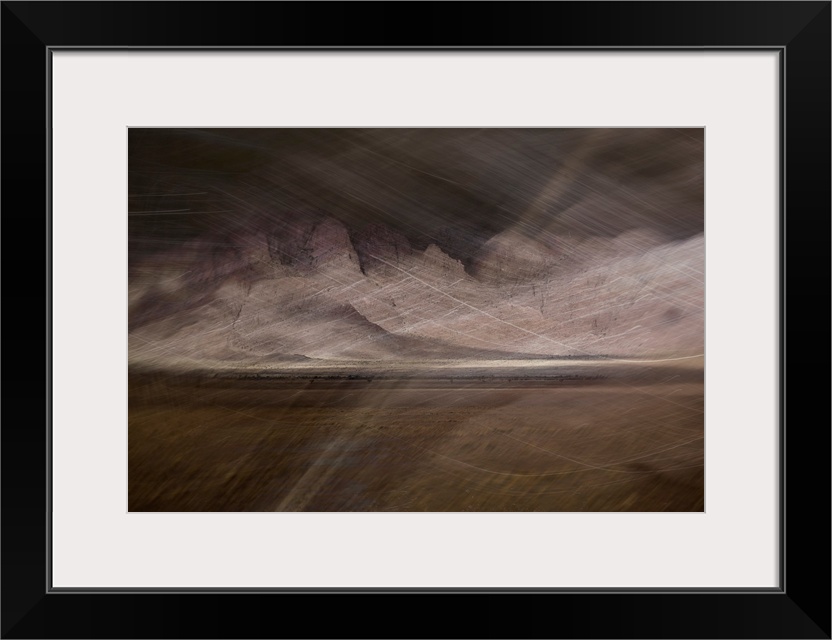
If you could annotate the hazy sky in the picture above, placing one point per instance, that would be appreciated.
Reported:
(454, 187)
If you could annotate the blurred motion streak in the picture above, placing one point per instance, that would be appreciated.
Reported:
(416, 319)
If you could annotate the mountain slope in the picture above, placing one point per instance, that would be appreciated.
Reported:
(303, 289)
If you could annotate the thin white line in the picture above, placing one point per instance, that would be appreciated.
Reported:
(532, 333)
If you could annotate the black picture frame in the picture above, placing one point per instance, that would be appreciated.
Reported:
(799, 31)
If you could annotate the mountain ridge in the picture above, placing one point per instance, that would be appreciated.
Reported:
(321, 290)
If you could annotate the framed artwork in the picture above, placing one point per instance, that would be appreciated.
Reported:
(494, 305)
(400, 312)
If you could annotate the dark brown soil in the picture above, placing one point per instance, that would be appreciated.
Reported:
(624, 443)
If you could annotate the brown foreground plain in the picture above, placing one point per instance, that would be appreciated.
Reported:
(622, 438)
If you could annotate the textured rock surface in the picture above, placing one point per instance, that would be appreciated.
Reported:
(320, 297)
(286, 246)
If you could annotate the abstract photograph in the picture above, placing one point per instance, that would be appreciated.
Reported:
(416, 320)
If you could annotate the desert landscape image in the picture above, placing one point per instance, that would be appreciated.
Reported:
(416, 319)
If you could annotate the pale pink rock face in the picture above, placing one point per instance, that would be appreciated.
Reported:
(271, 282)
(634, 297)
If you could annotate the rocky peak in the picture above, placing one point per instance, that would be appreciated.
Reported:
(511, 256)
(378, 247)
(330, 243)
(440, 263)
(307, 246)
